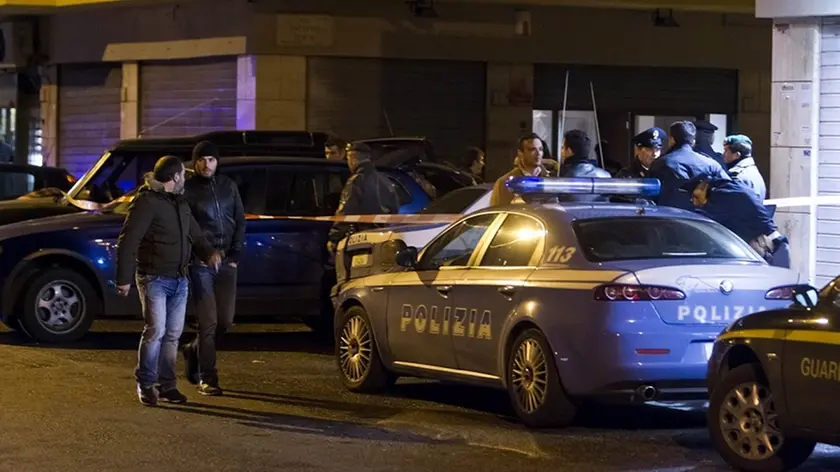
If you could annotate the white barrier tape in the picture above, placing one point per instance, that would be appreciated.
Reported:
(804, 201)
(380, 219)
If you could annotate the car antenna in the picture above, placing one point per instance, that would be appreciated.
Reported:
(388, 121)
(597, 127)
(177, 115)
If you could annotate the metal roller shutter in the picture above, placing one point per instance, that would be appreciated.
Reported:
(642, 90)
(183, 98)
(365, 98)
(828, 216)
(89, 115)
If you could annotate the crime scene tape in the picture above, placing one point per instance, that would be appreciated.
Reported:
(418, 219)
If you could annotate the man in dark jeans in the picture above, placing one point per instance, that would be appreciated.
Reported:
(217, 206)
(157, 241)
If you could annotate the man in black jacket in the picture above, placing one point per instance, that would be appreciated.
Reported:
(157, 240)
(217, 206)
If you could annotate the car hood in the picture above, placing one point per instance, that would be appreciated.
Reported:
(75, 221)
(13, 211)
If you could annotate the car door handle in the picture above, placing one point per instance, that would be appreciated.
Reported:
(444, 289)
(507, 290)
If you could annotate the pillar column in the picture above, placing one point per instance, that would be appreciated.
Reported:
(49, 115)
(794, 136)
(271, 92)
(510, 92)
(129, 109)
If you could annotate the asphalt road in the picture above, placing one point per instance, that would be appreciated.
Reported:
(74, 409)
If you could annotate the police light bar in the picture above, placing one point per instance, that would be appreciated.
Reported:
(579, 185)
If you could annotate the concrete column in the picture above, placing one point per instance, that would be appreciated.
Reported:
(271, 92)
(510, 91)
(794, 147)
(49, 115)
(129, 109)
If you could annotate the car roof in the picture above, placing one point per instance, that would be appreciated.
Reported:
(238, 138)
(9, 167)
(574, 211)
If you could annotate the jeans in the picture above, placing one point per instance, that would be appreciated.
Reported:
(214, 297)
(164, 301)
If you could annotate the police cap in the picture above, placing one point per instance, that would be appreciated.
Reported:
(650, 138)
(703, 125)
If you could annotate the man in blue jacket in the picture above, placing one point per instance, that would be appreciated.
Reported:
(682, 164)
(737, 208)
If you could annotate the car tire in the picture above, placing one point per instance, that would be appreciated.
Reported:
(356, 338)
(68, 296)
(548, 407)
(792, 452)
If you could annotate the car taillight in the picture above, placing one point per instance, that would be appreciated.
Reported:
(780, 293)
(635, 293)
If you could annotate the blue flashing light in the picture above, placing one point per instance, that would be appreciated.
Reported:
(586, 186)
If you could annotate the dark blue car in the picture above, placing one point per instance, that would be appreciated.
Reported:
(57, 273)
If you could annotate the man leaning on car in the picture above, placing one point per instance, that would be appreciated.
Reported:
(157, 241)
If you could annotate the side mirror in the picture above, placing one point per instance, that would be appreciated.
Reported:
(407, 257)
(806, 296)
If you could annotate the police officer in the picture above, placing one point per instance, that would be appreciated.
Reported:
(705, 139)
(682, 164)
(737, 208)
(367, 192)
(737, 153)
(647, 147)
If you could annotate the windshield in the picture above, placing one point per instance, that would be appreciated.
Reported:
(615, 239)
(116, 174)
(123, 203)
(455, 202)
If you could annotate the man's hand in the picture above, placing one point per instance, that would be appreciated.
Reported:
(122, 290)
(215, 260)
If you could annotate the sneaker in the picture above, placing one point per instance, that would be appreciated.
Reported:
(190, 363)
(173, 396)
(147, 395)
(209, 389)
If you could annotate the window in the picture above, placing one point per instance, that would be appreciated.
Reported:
(514, 243)
(403, 197)
(15, 184)
(455, 246)
(303, 192)
(250, 181)
(455, 202)
(122, 172)
(612, 239)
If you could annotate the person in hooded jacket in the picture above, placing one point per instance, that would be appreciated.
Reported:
(704, 140)
(738, 208)
(680, 165)
(217, 206)
(366, 192)
(155, 248)
(647, 147)
(737, 153)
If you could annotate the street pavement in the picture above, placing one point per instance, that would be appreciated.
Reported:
(74, 408)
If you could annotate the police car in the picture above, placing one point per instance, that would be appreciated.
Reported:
(774, 381)
(555, 302)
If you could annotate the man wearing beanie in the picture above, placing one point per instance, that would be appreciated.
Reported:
(682, 164)
(215, 202)
(158, 243)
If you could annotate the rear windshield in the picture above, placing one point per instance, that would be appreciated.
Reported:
(615, 239)
(455, 202)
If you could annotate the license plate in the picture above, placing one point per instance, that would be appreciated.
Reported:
(708, 347)
(360, 260)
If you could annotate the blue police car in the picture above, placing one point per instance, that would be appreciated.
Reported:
(555, 302)
(57, 273)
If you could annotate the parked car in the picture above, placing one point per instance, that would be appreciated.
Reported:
(57, 273)
(121, 168)
(774, 383)
(30, 181)
(417, 156)
(556, 303)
